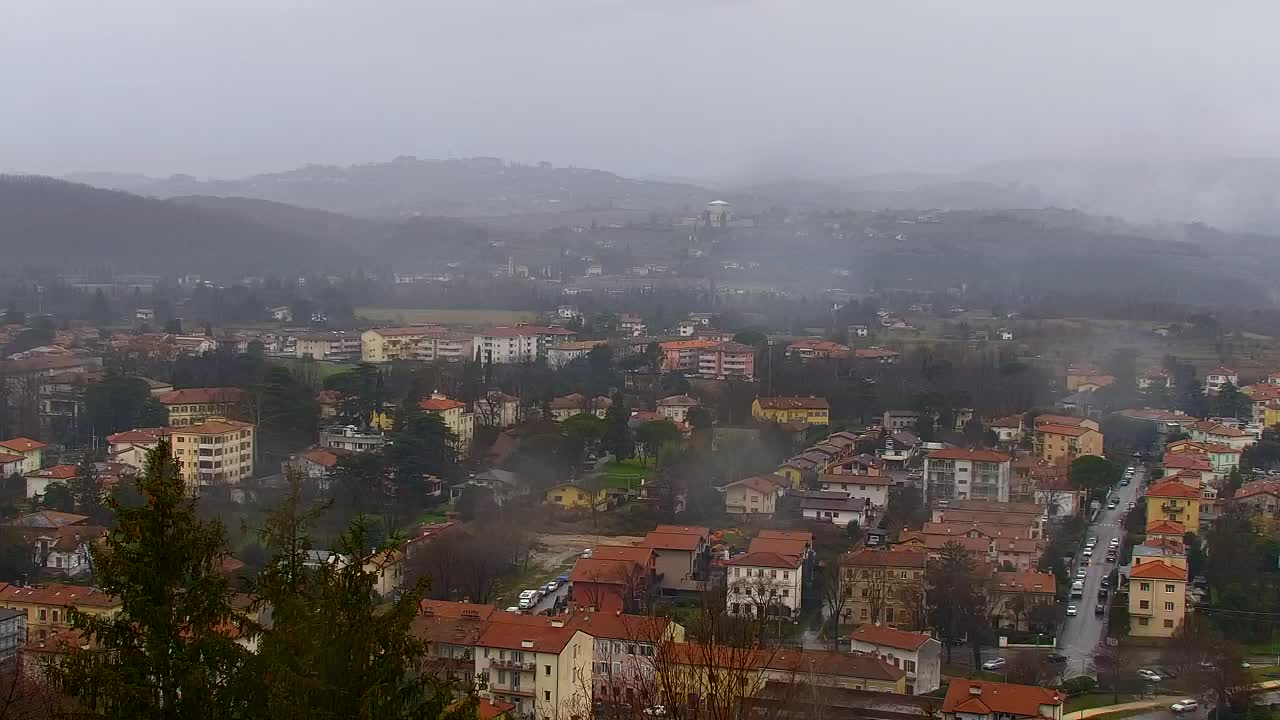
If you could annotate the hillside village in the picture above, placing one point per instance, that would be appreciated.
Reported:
(878, 554)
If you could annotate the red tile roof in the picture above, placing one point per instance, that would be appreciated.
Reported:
(1212, 428)
(325, 457)
(201, 396)
(889, 637)
(781, 546)
(634, 553)
(686, 401)
(1186, 461)
(1258, 487)
(56, 594)
(606, 571)
(669, 541)
(762, 484)
(1025, 582)
(980, 697)
(1050, 419)
(1166, 527)
(1157, 570)
(434, 404)
(785, 402)
(138, 436)
(971, 455)
(1070, 430)
(411, 331)
(621, 626)
(531, 633)
(490, 709)
(6, 458)
(765, 559)
(56, 472)
(22, 445)
(1172, 489)
(885, 558)
(696, 530)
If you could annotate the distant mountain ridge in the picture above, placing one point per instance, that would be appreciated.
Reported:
(407, 186)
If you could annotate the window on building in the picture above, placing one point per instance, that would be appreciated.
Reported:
(1169, 589)
(1144, 587)
(1168, 606)
(546, 695)
(909, 665)
(1168, 623)
(1144, 604)
(1144, 621)
(863, 613)
(548, 667)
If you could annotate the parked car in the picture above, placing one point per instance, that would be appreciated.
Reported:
(1056, 658)
(1148, 675)
(1099, 609)
(994, 663)
(1071, 611)
(1088, 552)
(564, 578)
(528, 599)
(1185, 705)
(586, 553)
(551, 586)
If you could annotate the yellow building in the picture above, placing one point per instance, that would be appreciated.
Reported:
(425, 343)
(1157, 597)
(885, 587)
(46, 605)
(191, 405)
(573, 497)
(1172, 500)
(455, 417)
(812, 410)
(1061, 439)
(216, 451)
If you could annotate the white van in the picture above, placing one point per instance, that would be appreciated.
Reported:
(1077, 589)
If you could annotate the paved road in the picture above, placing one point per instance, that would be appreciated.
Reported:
(1167, 714)
(1080, 635)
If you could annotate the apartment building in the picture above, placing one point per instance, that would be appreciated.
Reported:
(1157, 597)
(426, 343)
(540, 664)
(676, 408)
(348, 437)
(455, 417)
(566, 352)
(809, 349)
(1219, 434)
(1173, 500)
(764, 584)
(30, 450)
(46, 605)
(622, 665)
(757, 494)
(1260, 496)
(334, 345)
(192, 405)
(786, 409)
(215, 451)
(1062, 438)
(883, 586)
(521, 343)
(684, 355)
(961, 474)
(727, 359)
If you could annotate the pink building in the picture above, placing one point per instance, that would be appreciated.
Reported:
(728, 359)
(684, 355)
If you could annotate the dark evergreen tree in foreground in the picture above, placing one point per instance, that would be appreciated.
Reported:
(168, 653)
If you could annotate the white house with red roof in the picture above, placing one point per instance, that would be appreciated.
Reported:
(455, 417)
(1213, 432)
(755, 495)
(38, 481)
(919, 655)
(764, 584)
(983, 700)
(29, 449)
(1217, 378)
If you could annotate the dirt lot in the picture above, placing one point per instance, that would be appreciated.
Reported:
(557, 550)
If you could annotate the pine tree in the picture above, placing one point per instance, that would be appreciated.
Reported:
(617, 432)
(168, 653)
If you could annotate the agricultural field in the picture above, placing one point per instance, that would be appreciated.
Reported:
(418, 316)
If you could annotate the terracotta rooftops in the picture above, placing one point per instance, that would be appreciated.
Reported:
(1050, 419)
(56, 594)
(1026, 582)
(762, 483)
(783, 402)
(1157, 570)
(531, 633)
(1172, 489)
(410, 331)
(438, 404)
(980, 697)
(765, 559)
(211, 426)
(201, 396)
(885, 558)
(55, 472)
(22, 445)
(1071, 430)
(889, 637)
(1166, 527)
(971, 455)
(1267, 486)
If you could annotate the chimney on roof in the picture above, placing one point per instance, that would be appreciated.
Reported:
(526, 643)
(557, 623)
(975, 689)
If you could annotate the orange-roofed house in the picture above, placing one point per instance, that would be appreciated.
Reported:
(318, 463)
(38, 481)
(1024, 599)
(1261, 396)
(1219, 434)
(808, 349)
(30, 450)
(616, 578)
(191, 405)
(1261, 496)
(1157, 597)
(755, 495)
(623, 665)
(540, 664)
(214, 452)
(455, 417)
(961, 474)
(1166, 528)
(1062, 439)
(983, 700)
(1172, 500)
(916, 653)
(883, 586)
(764, 584)
(1222, 458)
(682, 556)
(11, 464)
(1219, 377)
(785, 409)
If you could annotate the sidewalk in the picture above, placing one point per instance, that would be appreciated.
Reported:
(1155, 703)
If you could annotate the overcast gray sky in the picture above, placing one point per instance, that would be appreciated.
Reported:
(709, 89)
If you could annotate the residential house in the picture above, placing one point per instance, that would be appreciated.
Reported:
(1007, 429)
(317, 464)
(574, 497)
(727, 359)
(919, 655)
(809, 349)
(65, 550)
(563, 408)
(1222, 458)
(1062, 439)
(1172, 500)
(755, 495)
(837, 508)
(895, 420)
(131, 446)
(568, 351)
(30, 450)
(984, 700)
(348, 437)
(676, 408)
(521, 343)
(1157, 598)
(46, 605)
(1217, 378)
(1260, 496)
(877, 355)
(623, 664)
(1023, 600)
(454, 415)
(883, 586)
(764, 584)
(540, 664)
(695, 671)
(11, 464)
(1261, 396)
(214, 451)
(616, 578)
(192, 405)
(497, 409)
(38, 481)
(1219, 434)
(1079, 376)
(962, 474)
(332, 345)
(682, 556)
(1166, 528)
(872, 488)
(810, 410)
(450, 632)
(784, 542)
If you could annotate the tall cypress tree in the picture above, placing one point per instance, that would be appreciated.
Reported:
(617, 432)
(168, 653)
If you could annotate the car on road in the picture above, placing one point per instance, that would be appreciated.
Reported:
(1071, 611)
(1185, 705)
(1106, 583)
(1088, 553)
(1149, 675)
(994, 663)
(1132, 506)
(1082, 573)
(1102, 593)
(564, 578)
(1057, 658)
(1099, 609)
(528, 599)
(1124, 482)
(1091, 541)
(551, 587)
(1115, 542)
(1111, 505)
(1111, 557)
